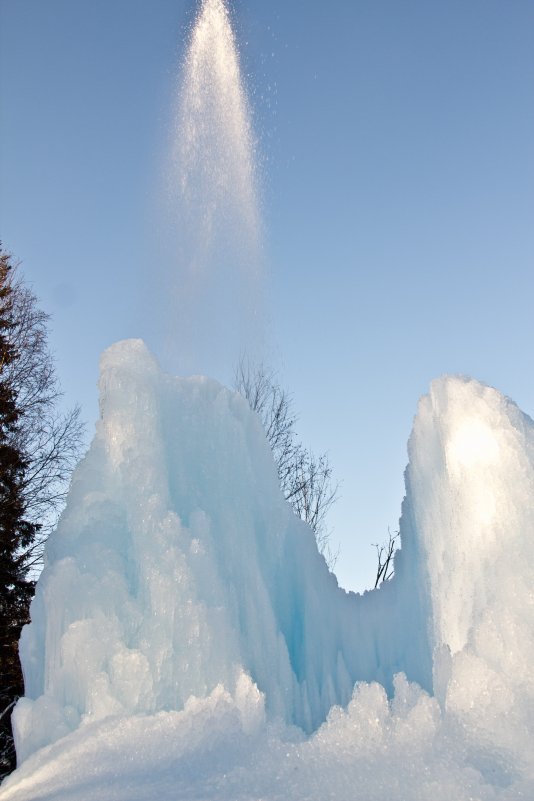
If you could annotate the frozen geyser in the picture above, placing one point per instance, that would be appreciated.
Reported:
(187, 639)
(181, 596)
(178, 566)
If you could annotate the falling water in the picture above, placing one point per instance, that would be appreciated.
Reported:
(215, 273)
(214, 146)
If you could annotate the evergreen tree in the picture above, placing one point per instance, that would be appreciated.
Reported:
(16, 532)
(39, 446)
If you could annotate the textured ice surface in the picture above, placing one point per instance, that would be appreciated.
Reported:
(185, 624)
(178, 564)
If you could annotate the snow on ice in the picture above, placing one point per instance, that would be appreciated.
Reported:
(188, 641)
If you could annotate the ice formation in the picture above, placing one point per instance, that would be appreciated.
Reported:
(178, 565)
(186, 625)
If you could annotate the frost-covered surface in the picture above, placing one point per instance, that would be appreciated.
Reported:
(406, 751)
(185, 621)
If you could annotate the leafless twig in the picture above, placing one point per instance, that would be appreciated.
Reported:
(305, 479)
(385, 554)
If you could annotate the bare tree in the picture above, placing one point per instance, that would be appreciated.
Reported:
(385, 555)
(305, 479)
(50, 440)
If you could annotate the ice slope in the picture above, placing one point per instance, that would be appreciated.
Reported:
(185, 621)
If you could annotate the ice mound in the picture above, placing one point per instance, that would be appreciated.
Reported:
(177, 565)
(468, 520)
(187, 639)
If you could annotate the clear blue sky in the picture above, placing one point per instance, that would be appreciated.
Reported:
(397, 145)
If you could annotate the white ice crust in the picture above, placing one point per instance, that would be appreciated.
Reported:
(185, 616)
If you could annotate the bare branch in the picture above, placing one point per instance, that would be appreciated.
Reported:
(305, 479)
(385, 555)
